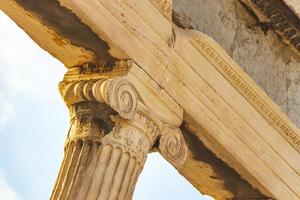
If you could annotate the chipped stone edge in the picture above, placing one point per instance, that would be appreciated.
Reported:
(285, 22)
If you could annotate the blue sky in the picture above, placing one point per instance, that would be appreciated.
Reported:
(34, 123)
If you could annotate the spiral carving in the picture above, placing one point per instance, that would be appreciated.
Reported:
(172, 146)
(123, 97)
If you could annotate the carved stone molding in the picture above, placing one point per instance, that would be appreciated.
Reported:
(165, 7)
(263, 106)
(90, 71)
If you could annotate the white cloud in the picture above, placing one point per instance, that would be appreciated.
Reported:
(6, 192)
(6, 111)
(24, 67)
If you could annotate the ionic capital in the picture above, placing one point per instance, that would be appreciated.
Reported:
(137, 99)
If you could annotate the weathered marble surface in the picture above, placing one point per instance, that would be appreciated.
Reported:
(255, 47)
(220, 105)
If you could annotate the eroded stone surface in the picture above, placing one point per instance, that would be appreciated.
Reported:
(254, 46)
(222, 107)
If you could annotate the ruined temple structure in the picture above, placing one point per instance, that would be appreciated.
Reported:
(212, 85)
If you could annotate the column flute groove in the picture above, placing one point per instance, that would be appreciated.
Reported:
(86, 183)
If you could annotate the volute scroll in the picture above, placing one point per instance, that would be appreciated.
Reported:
(142, 103)
(172, 146)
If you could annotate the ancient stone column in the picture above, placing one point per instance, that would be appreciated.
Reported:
(103, 156)
(112, 131)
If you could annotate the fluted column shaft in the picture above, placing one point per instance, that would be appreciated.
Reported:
(104, 155)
